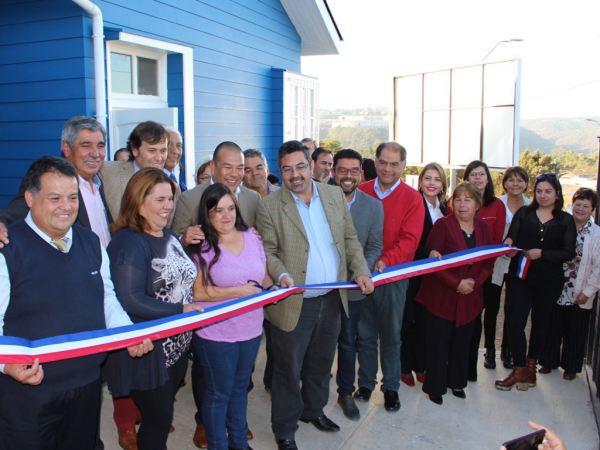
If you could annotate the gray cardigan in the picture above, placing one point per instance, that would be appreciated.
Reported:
(367, 215)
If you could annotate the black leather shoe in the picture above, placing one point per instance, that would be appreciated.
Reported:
(460, 393)
(490, 359)
(437, 399)
(323, 423)
(363, 394)
(506, 357)
(286, 444)
(246, 448)
(349, 407)
(391, 401)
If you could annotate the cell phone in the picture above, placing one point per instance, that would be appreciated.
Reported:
(527, 442)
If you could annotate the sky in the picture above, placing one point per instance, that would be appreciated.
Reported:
(386, 38)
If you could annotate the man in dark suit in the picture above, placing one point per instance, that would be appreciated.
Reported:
(367, 215)
(309, 238)
(83, 144)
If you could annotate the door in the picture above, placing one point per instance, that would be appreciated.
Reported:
(125, 120)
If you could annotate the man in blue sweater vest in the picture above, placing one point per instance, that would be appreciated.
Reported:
(54, 280)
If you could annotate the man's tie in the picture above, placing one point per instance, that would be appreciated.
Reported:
(61, 244)
(172, 177)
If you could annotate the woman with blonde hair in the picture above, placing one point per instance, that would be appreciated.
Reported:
(433, 186)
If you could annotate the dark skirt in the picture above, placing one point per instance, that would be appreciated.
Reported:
(124, 373)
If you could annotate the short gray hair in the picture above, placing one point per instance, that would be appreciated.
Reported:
(253, 153)
(174, 130)
(74, 125)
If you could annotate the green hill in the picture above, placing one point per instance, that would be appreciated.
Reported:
(576, 134)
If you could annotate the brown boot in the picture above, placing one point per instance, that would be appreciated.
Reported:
(531, 371)
(128, 440)
(200, 437)
(517, 377)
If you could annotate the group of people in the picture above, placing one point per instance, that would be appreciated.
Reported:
(137, 245)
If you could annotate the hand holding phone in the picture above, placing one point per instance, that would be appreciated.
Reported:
(528, 442)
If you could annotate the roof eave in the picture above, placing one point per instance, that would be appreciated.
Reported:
(316, 26)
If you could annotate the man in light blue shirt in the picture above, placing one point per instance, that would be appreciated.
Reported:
(309, 238)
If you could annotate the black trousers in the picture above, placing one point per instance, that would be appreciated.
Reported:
(412, 352)
(156, 407)
(569, 327)
(447, 355)
(491, 302)
(535, 294)
(492, 295)
(302, 364)
(33, 419)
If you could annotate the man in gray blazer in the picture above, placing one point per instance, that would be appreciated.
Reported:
(228, 168)
(367, 215)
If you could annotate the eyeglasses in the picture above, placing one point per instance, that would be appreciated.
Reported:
(355, 171)
(477, 174)
(548, 176)
(204, 178)
(300, 168)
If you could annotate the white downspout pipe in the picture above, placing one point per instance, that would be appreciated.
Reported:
(98, 40)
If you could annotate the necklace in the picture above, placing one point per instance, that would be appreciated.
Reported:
(466, 232)
(543, 226)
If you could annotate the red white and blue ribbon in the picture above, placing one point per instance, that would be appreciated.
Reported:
(23, 351)
(523, 266)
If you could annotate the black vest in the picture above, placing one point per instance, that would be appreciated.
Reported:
(54, 293)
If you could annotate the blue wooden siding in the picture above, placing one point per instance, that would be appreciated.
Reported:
(236, 46)
(45, 67)
(46, 70)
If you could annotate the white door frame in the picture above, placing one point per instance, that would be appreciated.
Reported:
(188, 92)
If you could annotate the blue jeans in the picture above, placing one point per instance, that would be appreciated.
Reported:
(381, 323)
(227, 367)
(347, 349)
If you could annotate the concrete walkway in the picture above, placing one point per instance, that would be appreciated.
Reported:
(484, 420)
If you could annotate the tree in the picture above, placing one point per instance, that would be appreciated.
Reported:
(536, 163)
(332, 144)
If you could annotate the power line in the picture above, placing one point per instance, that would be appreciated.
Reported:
(562, 90)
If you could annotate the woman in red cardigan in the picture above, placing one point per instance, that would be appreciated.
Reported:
(454, 297)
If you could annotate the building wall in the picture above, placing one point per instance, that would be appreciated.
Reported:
(46, 70)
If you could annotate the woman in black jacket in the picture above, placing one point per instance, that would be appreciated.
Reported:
(535, 279)
(433, 187)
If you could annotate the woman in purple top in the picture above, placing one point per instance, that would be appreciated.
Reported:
(229, 257)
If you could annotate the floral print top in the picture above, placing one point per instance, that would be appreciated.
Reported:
(571, 268)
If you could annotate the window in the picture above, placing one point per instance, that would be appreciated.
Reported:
(300, 106)
(137, 76)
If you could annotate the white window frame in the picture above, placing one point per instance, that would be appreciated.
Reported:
(135, 101)
(155, 46)
(298, 126)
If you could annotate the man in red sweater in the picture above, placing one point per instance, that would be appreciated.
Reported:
(381, 317)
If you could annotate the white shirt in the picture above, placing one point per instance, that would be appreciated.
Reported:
(434, 211)
(383, 195)
(94, 207)
(114, 314)
(237, 189)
